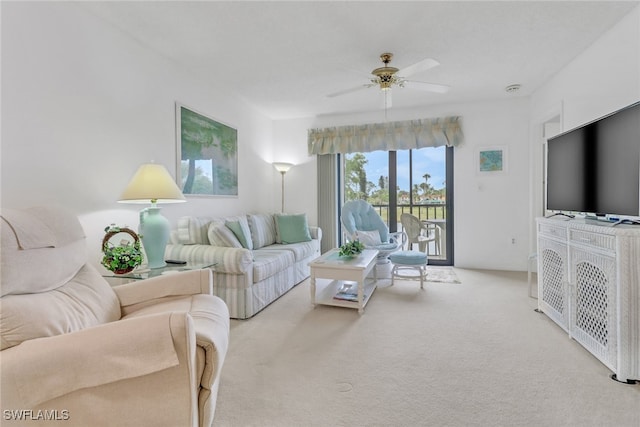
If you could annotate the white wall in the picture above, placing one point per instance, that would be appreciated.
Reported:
(490, 210)
(83, 105)
(290, 145)
(601, 80)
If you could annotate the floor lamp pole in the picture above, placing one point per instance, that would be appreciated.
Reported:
(282, 173)
(282, 168)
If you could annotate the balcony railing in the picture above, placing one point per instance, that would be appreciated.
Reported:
(423, 212)
(427, 211)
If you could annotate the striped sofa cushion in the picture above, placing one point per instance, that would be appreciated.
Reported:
(263, 229)
(268, 263)
(226, 260)
(300, 250)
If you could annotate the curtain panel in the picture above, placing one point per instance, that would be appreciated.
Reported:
(390, 136)
(328, 220)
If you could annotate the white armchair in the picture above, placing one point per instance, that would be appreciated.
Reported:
(74, 348)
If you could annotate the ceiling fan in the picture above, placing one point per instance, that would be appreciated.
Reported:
(388, 77)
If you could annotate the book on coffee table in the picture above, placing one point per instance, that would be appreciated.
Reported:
(348, 292)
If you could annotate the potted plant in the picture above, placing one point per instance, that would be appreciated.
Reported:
(123, 257)
(351, 249)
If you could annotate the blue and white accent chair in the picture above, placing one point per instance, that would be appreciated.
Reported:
(361, 222)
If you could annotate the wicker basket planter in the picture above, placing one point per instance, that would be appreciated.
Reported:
(122, 258)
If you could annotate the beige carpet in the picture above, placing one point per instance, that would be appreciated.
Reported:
(435, 274)
(473, 354)
(441, 275)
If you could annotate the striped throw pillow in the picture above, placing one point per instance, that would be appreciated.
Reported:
(220, 235)
(193, 230)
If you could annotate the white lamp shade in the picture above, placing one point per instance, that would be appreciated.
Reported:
(282, 167)
(152, 183)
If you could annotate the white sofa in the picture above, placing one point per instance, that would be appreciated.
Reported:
(257, 257)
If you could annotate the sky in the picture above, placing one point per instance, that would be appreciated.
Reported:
(425, 160)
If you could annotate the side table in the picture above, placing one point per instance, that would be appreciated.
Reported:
(144, 272)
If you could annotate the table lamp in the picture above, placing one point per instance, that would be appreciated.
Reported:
(153, 184)
(283, 168)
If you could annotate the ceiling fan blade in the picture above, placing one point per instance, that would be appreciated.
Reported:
(346, 91)
(424, 65)
(429, 87)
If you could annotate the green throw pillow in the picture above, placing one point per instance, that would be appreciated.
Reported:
(293, 228)
(237, 230)
(221, 235)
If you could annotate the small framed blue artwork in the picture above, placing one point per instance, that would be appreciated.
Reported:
(492, 160)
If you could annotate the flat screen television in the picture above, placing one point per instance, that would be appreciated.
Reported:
(595, 168)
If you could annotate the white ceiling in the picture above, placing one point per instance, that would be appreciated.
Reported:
(285, 57)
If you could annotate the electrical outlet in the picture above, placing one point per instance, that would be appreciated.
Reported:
(513, 240)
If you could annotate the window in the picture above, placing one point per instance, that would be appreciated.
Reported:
(421, 180)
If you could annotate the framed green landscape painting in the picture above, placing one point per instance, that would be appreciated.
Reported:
(207, 155)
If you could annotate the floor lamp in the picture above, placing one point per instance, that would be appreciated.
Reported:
(283, 168)
(153, 184)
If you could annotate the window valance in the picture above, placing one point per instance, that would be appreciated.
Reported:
(390, 136)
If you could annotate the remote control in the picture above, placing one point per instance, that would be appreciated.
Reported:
(175, 261)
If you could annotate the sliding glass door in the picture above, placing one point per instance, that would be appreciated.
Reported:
(419, 182)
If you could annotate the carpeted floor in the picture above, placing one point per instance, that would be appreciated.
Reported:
(441, 275)
(468, 354)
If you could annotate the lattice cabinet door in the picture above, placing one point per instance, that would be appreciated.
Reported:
(589, 284)
(593, 321)
(553, 280)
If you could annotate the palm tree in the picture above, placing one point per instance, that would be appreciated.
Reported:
(426, 186)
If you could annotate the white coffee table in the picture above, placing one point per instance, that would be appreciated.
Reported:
(343, 274)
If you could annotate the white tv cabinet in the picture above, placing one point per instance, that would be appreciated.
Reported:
(589, 284)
